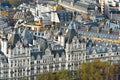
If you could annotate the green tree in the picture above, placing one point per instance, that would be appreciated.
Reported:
(96, 70)
(64, 75)
(23, 79)
(46, 76)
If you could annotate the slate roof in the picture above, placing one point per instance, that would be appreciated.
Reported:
(55, 51)
(103, 33)
(72, 25)
(90, 23)
(27, 35)
(19, 15)
(99, 16)
(14, 39)
(101, 47)
(3, 24)
(64, 16)
(71, 32)
(36, 54)
(59, 52)
(27, 16)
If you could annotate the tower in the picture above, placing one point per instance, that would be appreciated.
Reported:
(102, 5)
(4, 43)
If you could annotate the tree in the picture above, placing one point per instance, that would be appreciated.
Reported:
(23, 79)
(46, 76)
(64, 75)
(96, 70)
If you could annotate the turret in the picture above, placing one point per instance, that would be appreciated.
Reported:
(67, 49)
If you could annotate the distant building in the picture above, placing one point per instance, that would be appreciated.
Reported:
(79, 6)
(110, 8)
(62, 16)
(26, 16)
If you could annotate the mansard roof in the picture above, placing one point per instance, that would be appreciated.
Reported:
(27, 35)
(71, 32)
(101, 47)
(14, 39)
(59, 52)
(36, 54)
(23, 15)
(102, 33)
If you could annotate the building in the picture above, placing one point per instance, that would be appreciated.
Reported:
(25, 55)
(26, 16)
(3, 66)
(110, 8)
(62, 16)
(81, 6)
(28, 56)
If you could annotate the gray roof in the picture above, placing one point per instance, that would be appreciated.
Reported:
(27, 16)
(14, 39)
(27, 35)
(71, 32)
(43, 44)
(36, 54)
(98, 16)
(19, 15)
(3, 24)
(59, 52)
(81, 6)
(57, 47)
(101, 47)
(103, 33)
(72, 25)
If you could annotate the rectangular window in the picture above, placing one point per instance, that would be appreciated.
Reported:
(18, 52)
(39, 34)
